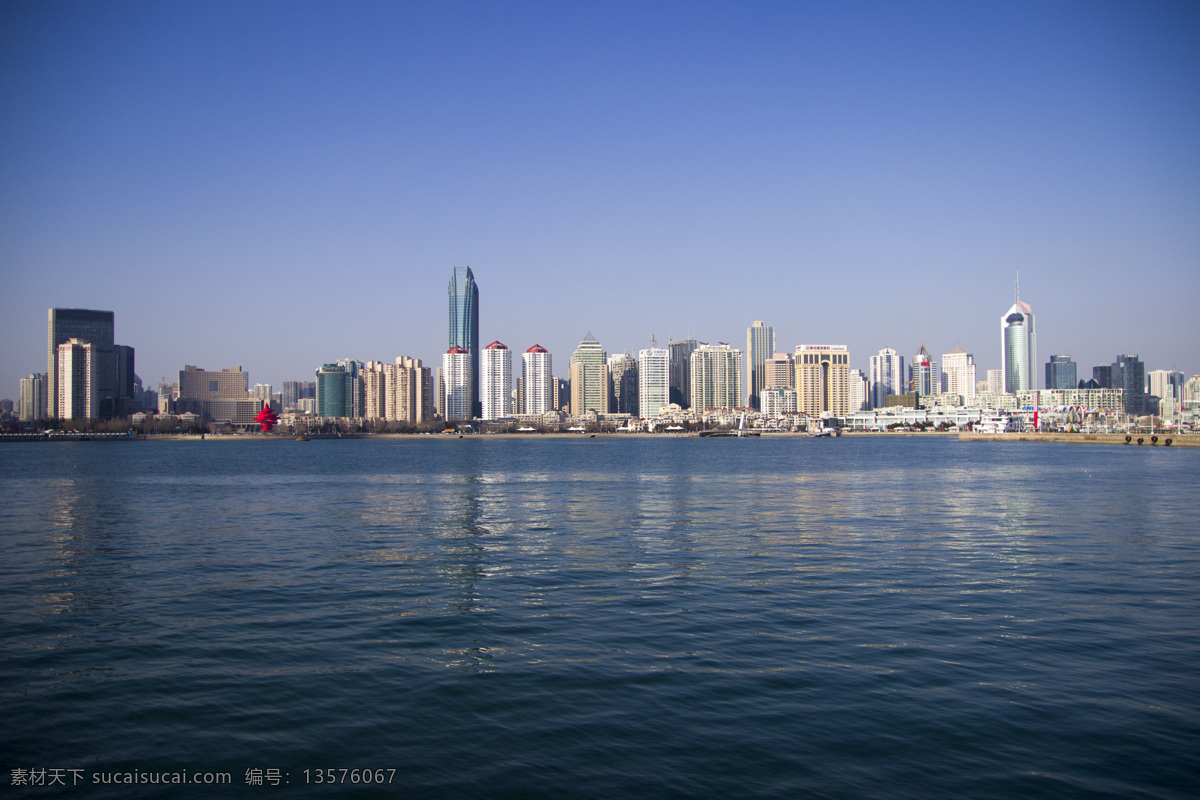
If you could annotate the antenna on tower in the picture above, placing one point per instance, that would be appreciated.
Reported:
(1018, 285)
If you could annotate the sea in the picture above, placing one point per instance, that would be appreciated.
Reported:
(561, 617)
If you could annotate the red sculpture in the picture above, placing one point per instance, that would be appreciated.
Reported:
(266, 418)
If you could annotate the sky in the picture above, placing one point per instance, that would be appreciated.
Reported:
(279, 185)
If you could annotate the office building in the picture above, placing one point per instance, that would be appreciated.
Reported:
(589, 378)
(457, 382)
(78, 381)
(538, 384)
(495, 385)
(716, 377)
(623, 384)
(653, 380)
(464, 328)
(958, 371)
(923, 375)
(562, 394)
(94, 327)
(31, 403)
(336, 390)
(760, 346)
(1165, 384)
(887, 376)
(822, 379)
(1102, 374)
(681, 371)
(1061, 373)
(1129, 375)
(1018, 348)
(780, 371)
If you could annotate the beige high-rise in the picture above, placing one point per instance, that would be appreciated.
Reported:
(822, 379)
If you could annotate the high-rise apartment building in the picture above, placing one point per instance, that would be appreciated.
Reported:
(78, 380)
(464, 328)
(822, 379)
(780, 371)
(496, 384)
(958, 370)
(31, 404)
(778, 401)
(538, 384)
(589, 377)
(409, 396)
(623, 384)
(1129, 375)
(887, 376)
(94, 327)
(457, 381)
(859, 389)
(923, 375)
(1061, 373)
(760, 346)
(653, 380)
(995, 381)
(1018, 348)
(681, 371)
(716, 377)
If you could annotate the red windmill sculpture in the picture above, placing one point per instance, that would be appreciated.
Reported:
(266, 418)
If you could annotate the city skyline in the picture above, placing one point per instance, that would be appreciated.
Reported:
(872, 176)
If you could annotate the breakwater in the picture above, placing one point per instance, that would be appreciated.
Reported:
(1145, 439)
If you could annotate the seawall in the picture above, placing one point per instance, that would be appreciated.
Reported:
(1187, 440)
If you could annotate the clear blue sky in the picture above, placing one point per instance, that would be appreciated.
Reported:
(282, 184)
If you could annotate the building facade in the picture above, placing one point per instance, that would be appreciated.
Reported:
(654, 380)
(94, 327)
(760, 346)
(859, 391)
(958, 370)
(31, 403)
(716, 377)
(1018, 349)
(780, 371)
(623, 384)
(1062, 373)
(887, 376)
(681, 371)
(78, 380)
(1129, 375)
(537, 381)
(464, 328)
(496, 383)
(457, 382)
(589, 377)
(923, 375)
(822, 379)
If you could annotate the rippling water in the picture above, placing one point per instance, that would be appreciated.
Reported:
(497, 617)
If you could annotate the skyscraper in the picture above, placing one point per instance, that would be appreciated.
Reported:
(457, 381)
(464, 327)
(860, 391)
(822, 379)
(760, 346)
(32, 401)
(496, 384)
(623, 384)
(78, 381)
(654, 380)
(538, 379)
(958, 367)
(1129, 373)
(780, 371)
(589, 377)
(924, 377)
(716, 377)
(681, 371)
(95, 327)
(1061, 373)
(1018, 347)
(887, 376)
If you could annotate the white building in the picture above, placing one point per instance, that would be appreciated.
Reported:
(78, 383)
(537, 380)
(456, 384)
(859, 390)
(778, 401)
(716, 376)
(495, 385)
(887, 376)
(958, 369)
(995, 381)
(654, 380)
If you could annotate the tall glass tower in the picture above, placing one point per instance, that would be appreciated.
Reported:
(1018, 343)
(760, 345)
(94, 327)
(464, 326)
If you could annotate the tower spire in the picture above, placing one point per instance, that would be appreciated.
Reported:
(1018, 285)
